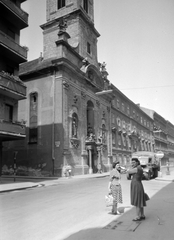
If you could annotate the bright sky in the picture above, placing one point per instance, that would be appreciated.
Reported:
(136, 42)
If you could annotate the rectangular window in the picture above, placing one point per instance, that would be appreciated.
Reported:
(119, 139)
(123, 107)
(113, 138)
(133, 114)
(128, 111)
(33, 135)
(60, 4)
(141, 120)
(88, 47)
(144, 122)
(33, 125)
(8, 113)
(11, 33)
(10, 69)
(85, 5)
(118, 104)
(113, 118)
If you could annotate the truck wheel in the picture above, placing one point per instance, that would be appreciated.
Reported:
(155, 174)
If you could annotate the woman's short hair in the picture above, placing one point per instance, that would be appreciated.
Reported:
(136, 160)
(115, 163)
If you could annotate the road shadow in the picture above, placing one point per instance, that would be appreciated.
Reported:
(157, 225)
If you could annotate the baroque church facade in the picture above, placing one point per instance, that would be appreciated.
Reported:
(74, 115)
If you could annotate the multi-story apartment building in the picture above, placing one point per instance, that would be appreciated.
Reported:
(170, 141)
(74, 116)
(131, 128)
(12, 89)
(163, 132)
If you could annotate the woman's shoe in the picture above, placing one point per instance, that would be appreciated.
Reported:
(143, 217)
(137, 219)
(114, 213)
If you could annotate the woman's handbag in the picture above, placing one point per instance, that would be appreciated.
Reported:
(109, 200)
(146, 197)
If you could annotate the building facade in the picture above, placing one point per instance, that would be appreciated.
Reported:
(74, 116)
(170, 141)
(132, 129)
(163, 132)
(12, 89)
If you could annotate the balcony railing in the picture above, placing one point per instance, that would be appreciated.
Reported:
(12, 130)
(18, 11)
(5, 40)
(12, 86)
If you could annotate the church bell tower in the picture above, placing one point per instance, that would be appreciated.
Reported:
(79, 18)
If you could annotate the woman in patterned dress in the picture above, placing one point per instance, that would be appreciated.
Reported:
(114, 187)
(137, 189)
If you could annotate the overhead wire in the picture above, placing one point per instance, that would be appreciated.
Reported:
(147, 87)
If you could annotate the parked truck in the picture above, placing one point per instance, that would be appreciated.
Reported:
(149, 162)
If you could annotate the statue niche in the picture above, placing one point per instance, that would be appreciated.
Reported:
(74, 125)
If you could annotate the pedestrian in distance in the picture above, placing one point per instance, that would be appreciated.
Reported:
(137, 190)
(114, 187)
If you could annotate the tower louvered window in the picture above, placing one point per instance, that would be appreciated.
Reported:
(85, 5)
(60, 4)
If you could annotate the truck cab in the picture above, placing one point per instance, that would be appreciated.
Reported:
(149, 162)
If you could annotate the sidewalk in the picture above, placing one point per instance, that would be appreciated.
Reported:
(21, 184)
(34, 182)
(157, 225)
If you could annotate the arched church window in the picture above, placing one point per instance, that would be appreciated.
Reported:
(74, 125)
(90, 118)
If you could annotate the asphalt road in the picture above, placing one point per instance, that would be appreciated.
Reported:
(56, 212)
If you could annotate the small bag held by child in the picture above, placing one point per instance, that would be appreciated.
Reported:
(109, 200)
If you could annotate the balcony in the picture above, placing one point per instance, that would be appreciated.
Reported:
(12, 131)
(8, 47)
(159, 139)
(16, 15)
(12, 86)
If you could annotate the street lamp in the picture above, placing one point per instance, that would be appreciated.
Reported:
(104, 92)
